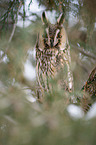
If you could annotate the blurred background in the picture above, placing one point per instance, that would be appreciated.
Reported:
(22, 119)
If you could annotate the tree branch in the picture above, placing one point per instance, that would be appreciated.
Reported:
(14, 26)
(12, 33)
(81, 50)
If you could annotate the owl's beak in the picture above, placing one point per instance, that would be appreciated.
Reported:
(51, 43)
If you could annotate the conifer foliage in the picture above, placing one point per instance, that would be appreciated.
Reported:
(23, 121)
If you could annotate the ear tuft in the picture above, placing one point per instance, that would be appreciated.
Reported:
(61, 19)
(44, 19)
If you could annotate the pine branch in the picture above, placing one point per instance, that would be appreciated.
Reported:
(81, 50)
(8, 11)
(14, 26)
(12, 33)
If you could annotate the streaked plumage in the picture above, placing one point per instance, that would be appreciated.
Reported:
(52, 54)
(90, 85)
(89, 89)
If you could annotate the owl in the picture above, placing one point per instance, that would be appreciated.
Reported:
(52, 56)
(89, 92)
(90, 85)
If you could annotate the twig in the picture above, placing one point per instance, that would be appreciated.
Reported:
(10, 119)
(12, 33)
(83, 52)
(84, 67)
(8, 11)
(14, 26)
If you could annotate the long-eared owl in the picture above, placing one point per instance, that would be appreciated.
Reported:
(52, 54)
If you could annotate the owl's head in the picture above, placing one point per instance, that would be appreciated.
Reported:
(52, 32)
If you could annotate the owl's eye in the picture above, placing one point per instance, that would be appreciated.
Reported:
(46, 42)
(46, 38)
